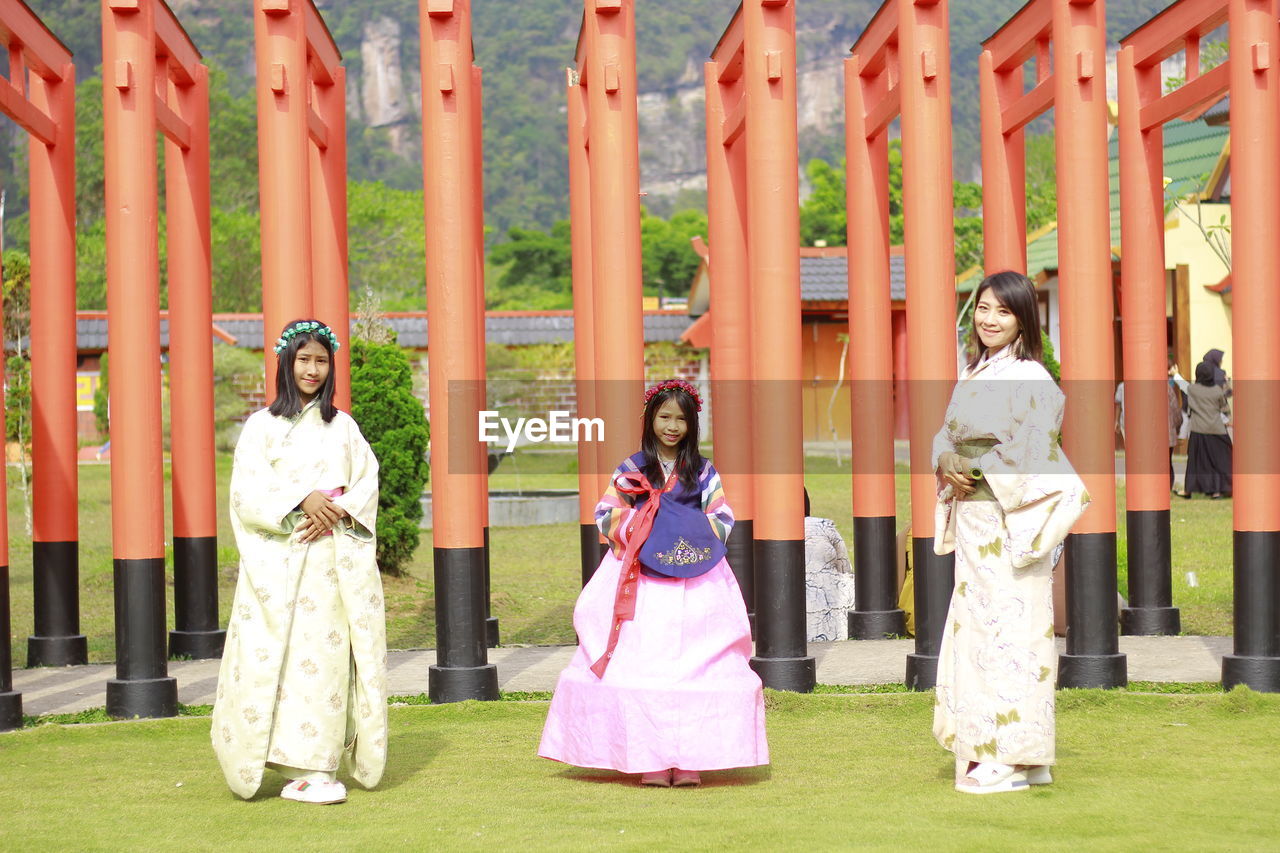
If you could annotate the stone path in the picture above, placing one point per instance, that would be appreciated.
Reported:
(64, 690)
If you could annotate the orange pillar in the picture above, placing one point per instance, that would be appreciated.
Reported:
(195, 511)
(10, 700)
(1004, 192)
(927, 208)
(328, 181)
(608, 71)
(773, 242)
(730, 307)
(584, 339)
(57, 640)
(871, 361)
(461, 670)
(283, 173)
(1255, 205)
(142, 686)
(1088, 350)
(1144, 343)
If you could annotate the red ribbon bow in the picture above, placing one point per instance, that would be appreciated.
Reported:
(624, 600)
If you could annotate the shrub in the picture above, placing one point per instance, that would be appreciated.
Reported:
(237, 374)
(393, 422)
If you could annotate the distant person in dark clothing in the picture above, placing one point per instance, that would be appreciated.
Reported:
(1209, 447)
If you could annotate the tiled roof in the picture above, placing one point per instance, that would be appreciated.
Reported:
(507, 328)
(826, 278)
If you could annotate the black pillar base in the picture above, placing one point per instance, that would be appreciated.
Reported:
(1256, 673)
(922, 671)
(142, 697)
(934, 578)
(795, 674)
(1150, 621)
(875, 565)
(1149, 612)
(1093, 671)
(57, 640)
(196, 645)
(592, 550)
(876, 624)
(1254, 660)
(57, 651)
(1093, 657)
(742, 561)
(490, 621)
(10, 711)
(460, 683)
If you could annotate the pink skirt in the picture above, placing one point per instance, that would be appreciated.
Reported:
(678, 691)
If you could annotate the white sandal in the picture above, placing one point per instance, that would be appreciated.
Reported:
(991, 777)
(1038, 774)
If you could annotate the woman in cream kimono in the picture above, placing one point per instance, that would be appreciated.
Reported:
(303, 677)
(1007, 498)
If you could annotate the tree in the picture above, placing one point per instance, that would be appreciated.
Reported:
(393, 422)
(17, 378)
(537, 269)
(669, 262)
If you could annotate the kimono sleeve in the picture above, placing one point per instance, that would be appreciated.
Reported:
(1030, 476)
(360, 496)
(714, 504)
(260, 497)
(614, 511)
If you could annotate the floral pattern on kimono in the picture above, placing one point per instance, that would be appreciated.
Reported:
(997, 665)
(303, 677)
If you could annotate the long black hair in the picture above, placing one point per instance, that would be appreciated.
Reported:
(1014, 291)
(288, 402)
(688, 459)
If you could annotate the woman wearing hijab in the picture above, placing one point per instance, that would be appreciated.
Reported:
(1209, 447)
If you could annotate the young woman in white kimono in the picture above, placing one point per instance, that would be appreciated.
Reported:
(303, 679)
(1007, 498)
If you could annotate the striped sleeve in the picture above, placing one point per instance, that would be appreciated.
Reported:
(615, 509)
(713, 503)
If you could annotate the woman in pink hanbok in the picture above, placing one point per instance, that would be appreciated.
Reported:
(660, 685)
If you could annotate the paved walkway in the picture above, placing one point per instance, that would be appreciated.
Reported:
(64, 690)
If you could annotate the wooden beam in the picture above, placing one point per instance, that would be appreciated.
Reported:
(43, 52)
(728, 50)
(177, 46)
(321, 44)
(871, 46)
(26, 114)
(317, 129)
(1206, 89)
(884, 112)
(735, 121)
(1165, 34)
(172, 124)
(1015, 42)
(1025, 109)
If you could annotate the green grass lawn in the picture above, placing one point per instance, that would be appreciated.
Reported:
(1136, 772)
(536, 574)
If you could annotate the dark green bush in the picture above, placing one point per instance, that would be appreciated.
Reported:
(393, 422)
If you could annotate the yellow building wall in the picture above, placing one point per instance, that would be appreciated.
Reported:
(1210, 313)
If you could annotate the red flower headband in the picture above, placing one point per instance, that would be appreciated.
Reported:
(674, 384)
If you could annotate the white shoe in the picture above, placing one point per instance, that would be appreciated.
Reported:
(316, 793)
(991, 777)
(1038, 774)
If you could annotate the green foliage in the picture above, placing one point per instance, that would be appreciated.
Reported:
(102, 397)
(387, 243)
(537, 270)
(1050, 360)
(392, 421)
(17, 328)
(668, 258)
(235, 371)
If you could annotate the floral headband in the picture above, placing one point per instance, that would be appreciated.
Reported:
(674, 385)
(306, 326)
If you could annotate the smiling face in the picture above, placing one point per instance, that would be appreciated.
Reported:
(669, 425)
(994, 322)
(310, 369)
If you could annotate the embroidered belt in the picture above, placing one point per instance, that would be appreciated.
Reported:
(624, 599)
